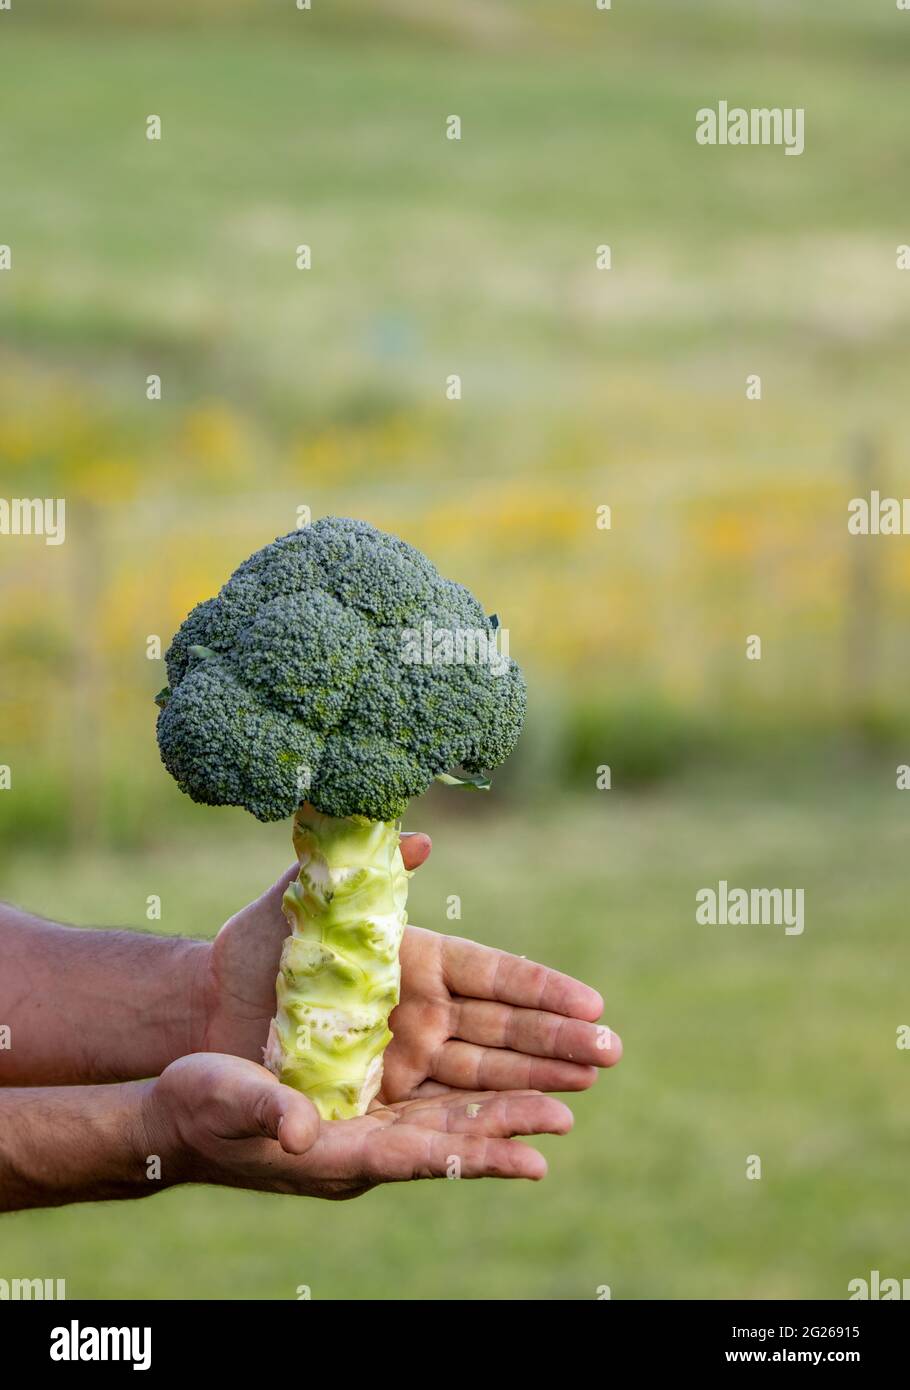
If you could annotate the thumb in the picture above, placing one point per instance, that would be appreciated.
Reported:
(256, 1103)
(415, 848)
(297, 1125)
(284, 1114)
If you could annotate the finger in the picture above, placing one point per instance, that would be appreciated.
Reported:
(430, 1088)
(250, 1102)
(404, 1153)
(297, 1127)
(482, 972)
(535, 1032)
(264, 915)
(499, 1115)
(415, 848)
(471, 1068)
(271, 898)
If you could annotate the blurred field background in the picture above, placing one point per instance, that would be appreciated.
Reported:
(325, 389)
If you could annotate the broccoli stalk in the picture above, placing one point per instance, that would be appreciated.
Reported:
(339, 975)
(328, 668)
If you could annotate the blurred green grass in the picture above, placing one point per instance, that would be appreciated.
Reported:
(738, 1041)
(328, 129)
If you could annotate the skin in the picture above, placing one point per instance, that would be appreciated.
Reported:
(206, 1103)
(470, 1017)
(211, 1118)
(478, 1035)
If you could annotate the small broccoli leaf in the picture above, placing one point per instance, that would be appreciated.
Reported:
(476, 783)
(204, 653)
(493, 620)
(163, 696)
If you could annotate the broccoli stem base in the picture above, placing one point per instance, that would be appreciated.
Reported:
(339, 976)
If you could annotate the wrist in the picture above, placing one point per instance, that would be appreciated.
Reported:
(156, 1141)
(199, 996)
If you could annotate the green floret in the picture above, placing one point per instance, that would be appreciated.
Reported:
(304, 652)
(194, 631)
(292, 684)
(501, 734)
(390, 773)
(224, 747)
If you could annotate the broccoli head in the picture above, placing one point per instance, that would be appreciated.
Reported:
(336, 666)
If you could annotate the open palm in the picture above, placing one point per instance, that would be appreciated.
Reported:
(471, 1018)
(219, 1119)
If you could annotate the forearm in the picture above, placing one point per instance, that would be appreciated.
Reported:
(86, 1006)
(84, 1144)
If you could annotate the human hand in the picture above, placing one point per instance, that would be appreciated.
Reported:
(226, 1120)
(237, 975)
(470, 1017)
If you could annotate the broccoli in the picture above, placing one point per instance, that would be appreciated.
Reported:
(332, 679)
